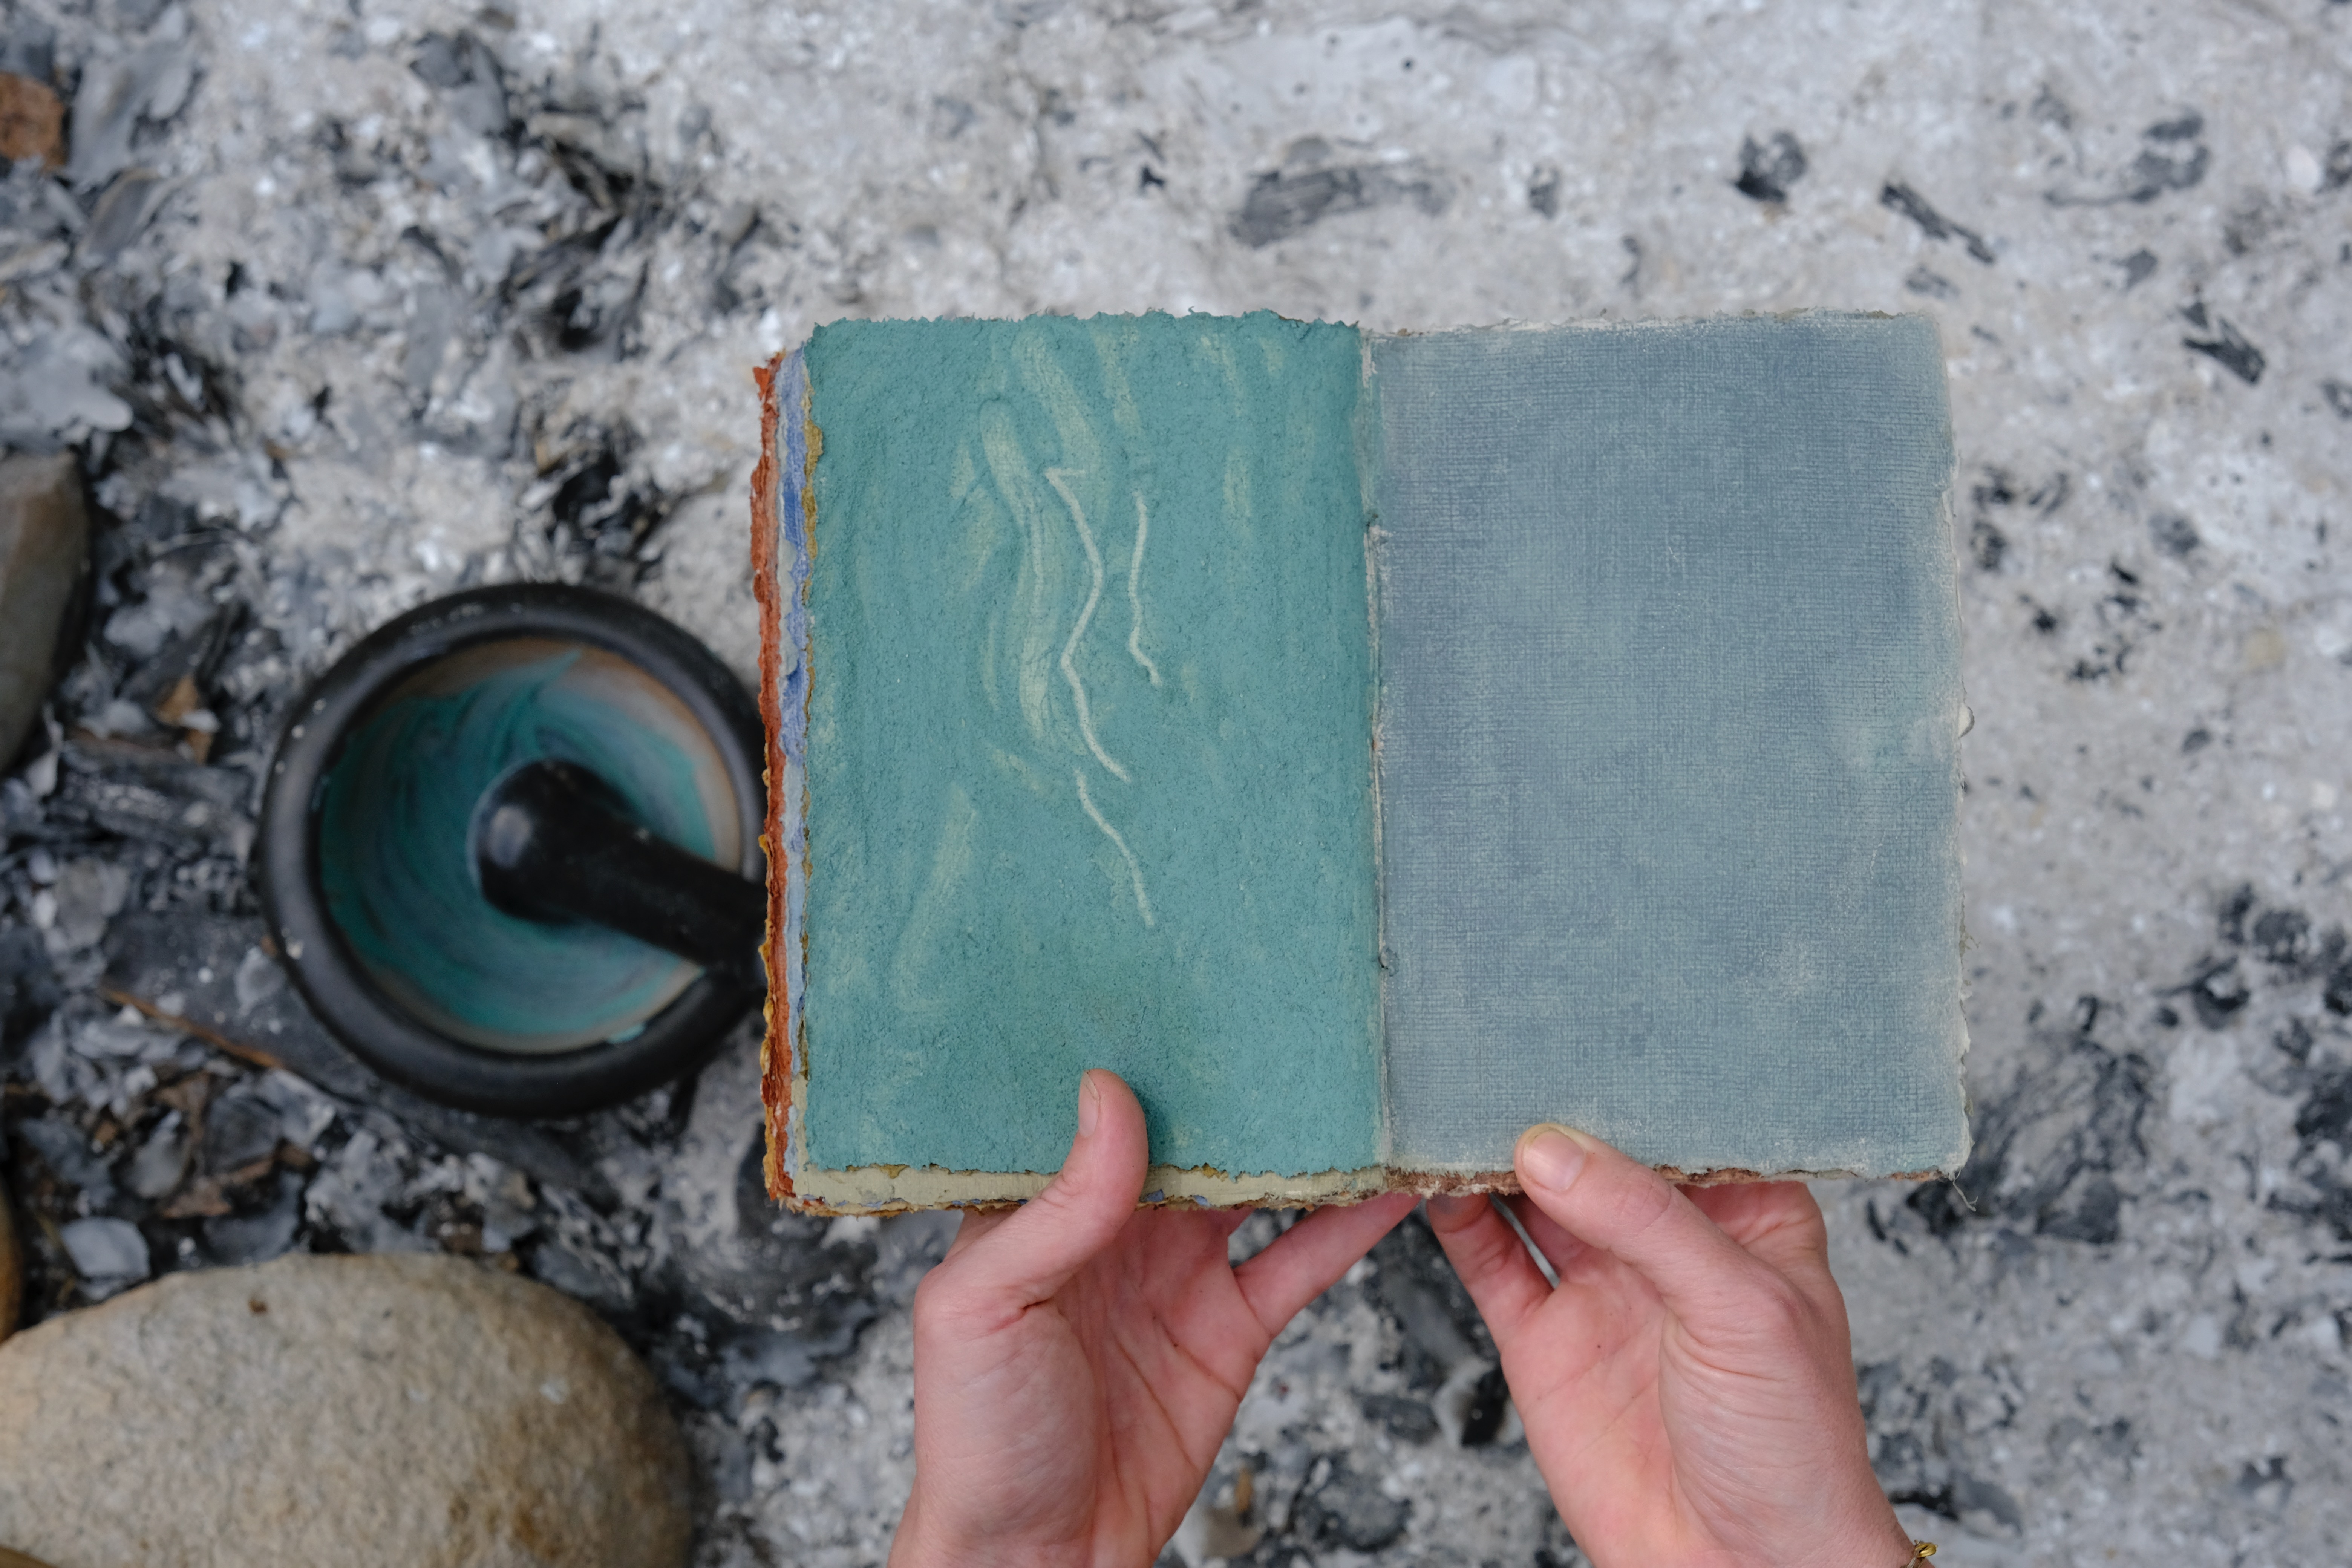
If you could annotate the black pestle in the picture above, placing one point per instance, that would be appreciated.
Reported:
(552, 843)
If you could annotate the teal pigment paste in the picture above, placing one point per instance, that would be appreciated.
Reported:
(394, 843)
(1089, 742)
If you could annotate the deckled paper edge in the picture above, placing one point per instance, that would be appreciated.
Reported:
(886, 1189)
(780, 503)
(1963, 720)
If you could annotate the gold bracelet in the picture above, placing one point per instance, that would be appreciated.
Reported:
(1920, 1551)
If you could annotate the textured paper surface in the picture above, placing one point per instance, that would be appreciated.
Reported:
(1667, 736)
(1669, 725)
(1089, 763)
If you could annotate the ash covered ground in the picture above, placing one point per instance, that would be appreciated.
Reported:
(345, 307)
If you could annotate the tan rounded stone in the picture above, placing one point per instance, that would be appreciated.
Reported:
(12, 1270)
(423, 1412)
(43, 550)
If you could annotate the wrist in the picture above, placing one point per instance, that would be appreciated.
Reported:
(925, 1540)
(1879, 1542)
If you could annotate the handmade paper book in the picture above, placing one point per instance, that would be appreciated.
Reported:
(1365, 745)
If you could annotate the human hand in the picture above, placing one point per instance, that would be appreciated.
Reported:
(1688, 1389)
(1079, 1360)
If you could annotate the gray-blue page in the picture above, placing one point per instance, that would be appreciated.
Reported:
(1668, 759)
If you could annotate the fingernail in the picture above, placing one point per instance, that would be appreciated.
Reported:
(1089, 1104)
(1549, 1157)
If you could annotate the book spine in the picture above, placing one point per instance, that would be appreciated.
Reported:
(1369, 450)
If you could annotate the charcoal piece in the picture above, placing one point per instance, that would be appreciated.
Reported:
(240, 1129)
(2224, 345)
(2093, 1214)
(2230, 920)
(184, 667)
(2326, 1117)
(65, 1149)
(1901, 198)
(29, 992)
(1409, 1420)
(2172, 159)
(157, 796)
(1308, 189)
(122, 212)
(258, 1236)
(1349, 1511)
(469, 76)
(1543, 192)
(2232, 352)
(194, 960)
(2051, 1146)
(2217, 991)
(1930, 284)
(788, 1271)
(2285, 938)
(2173, 534)
(1767, 170)
(1438, 1325)
(204, 964)
(1482, 1418)
(2337, 994)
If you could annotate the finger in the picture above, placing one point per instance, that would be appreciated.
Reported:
(1032, 1252)
(975, 1224)
(1490, 1260)
(1778, 1222)
(1306, 1258)
(1606, 1200)
(1558, 1247)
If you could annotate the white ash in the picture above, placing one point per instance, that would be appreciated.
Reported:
(343, 309)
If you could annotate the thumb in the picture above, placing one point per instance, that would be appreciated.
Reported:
(1606, 1200)
(1033, 1252)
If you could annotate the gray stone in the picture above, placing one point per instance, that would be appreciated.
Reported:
(44, 549)
(109, 1254)
(402, 1410)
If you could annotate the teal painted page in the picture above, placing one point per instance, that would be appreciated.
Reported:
(1089, 770)
(1670, 710)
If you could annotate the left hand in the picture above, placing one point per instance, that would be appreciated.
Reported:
(1079, 1360)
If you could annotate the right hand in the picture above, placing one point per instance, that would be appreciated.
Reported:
(1688, 1389)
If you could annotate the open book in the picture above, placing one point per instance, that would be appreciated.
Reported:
(1365, 745)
